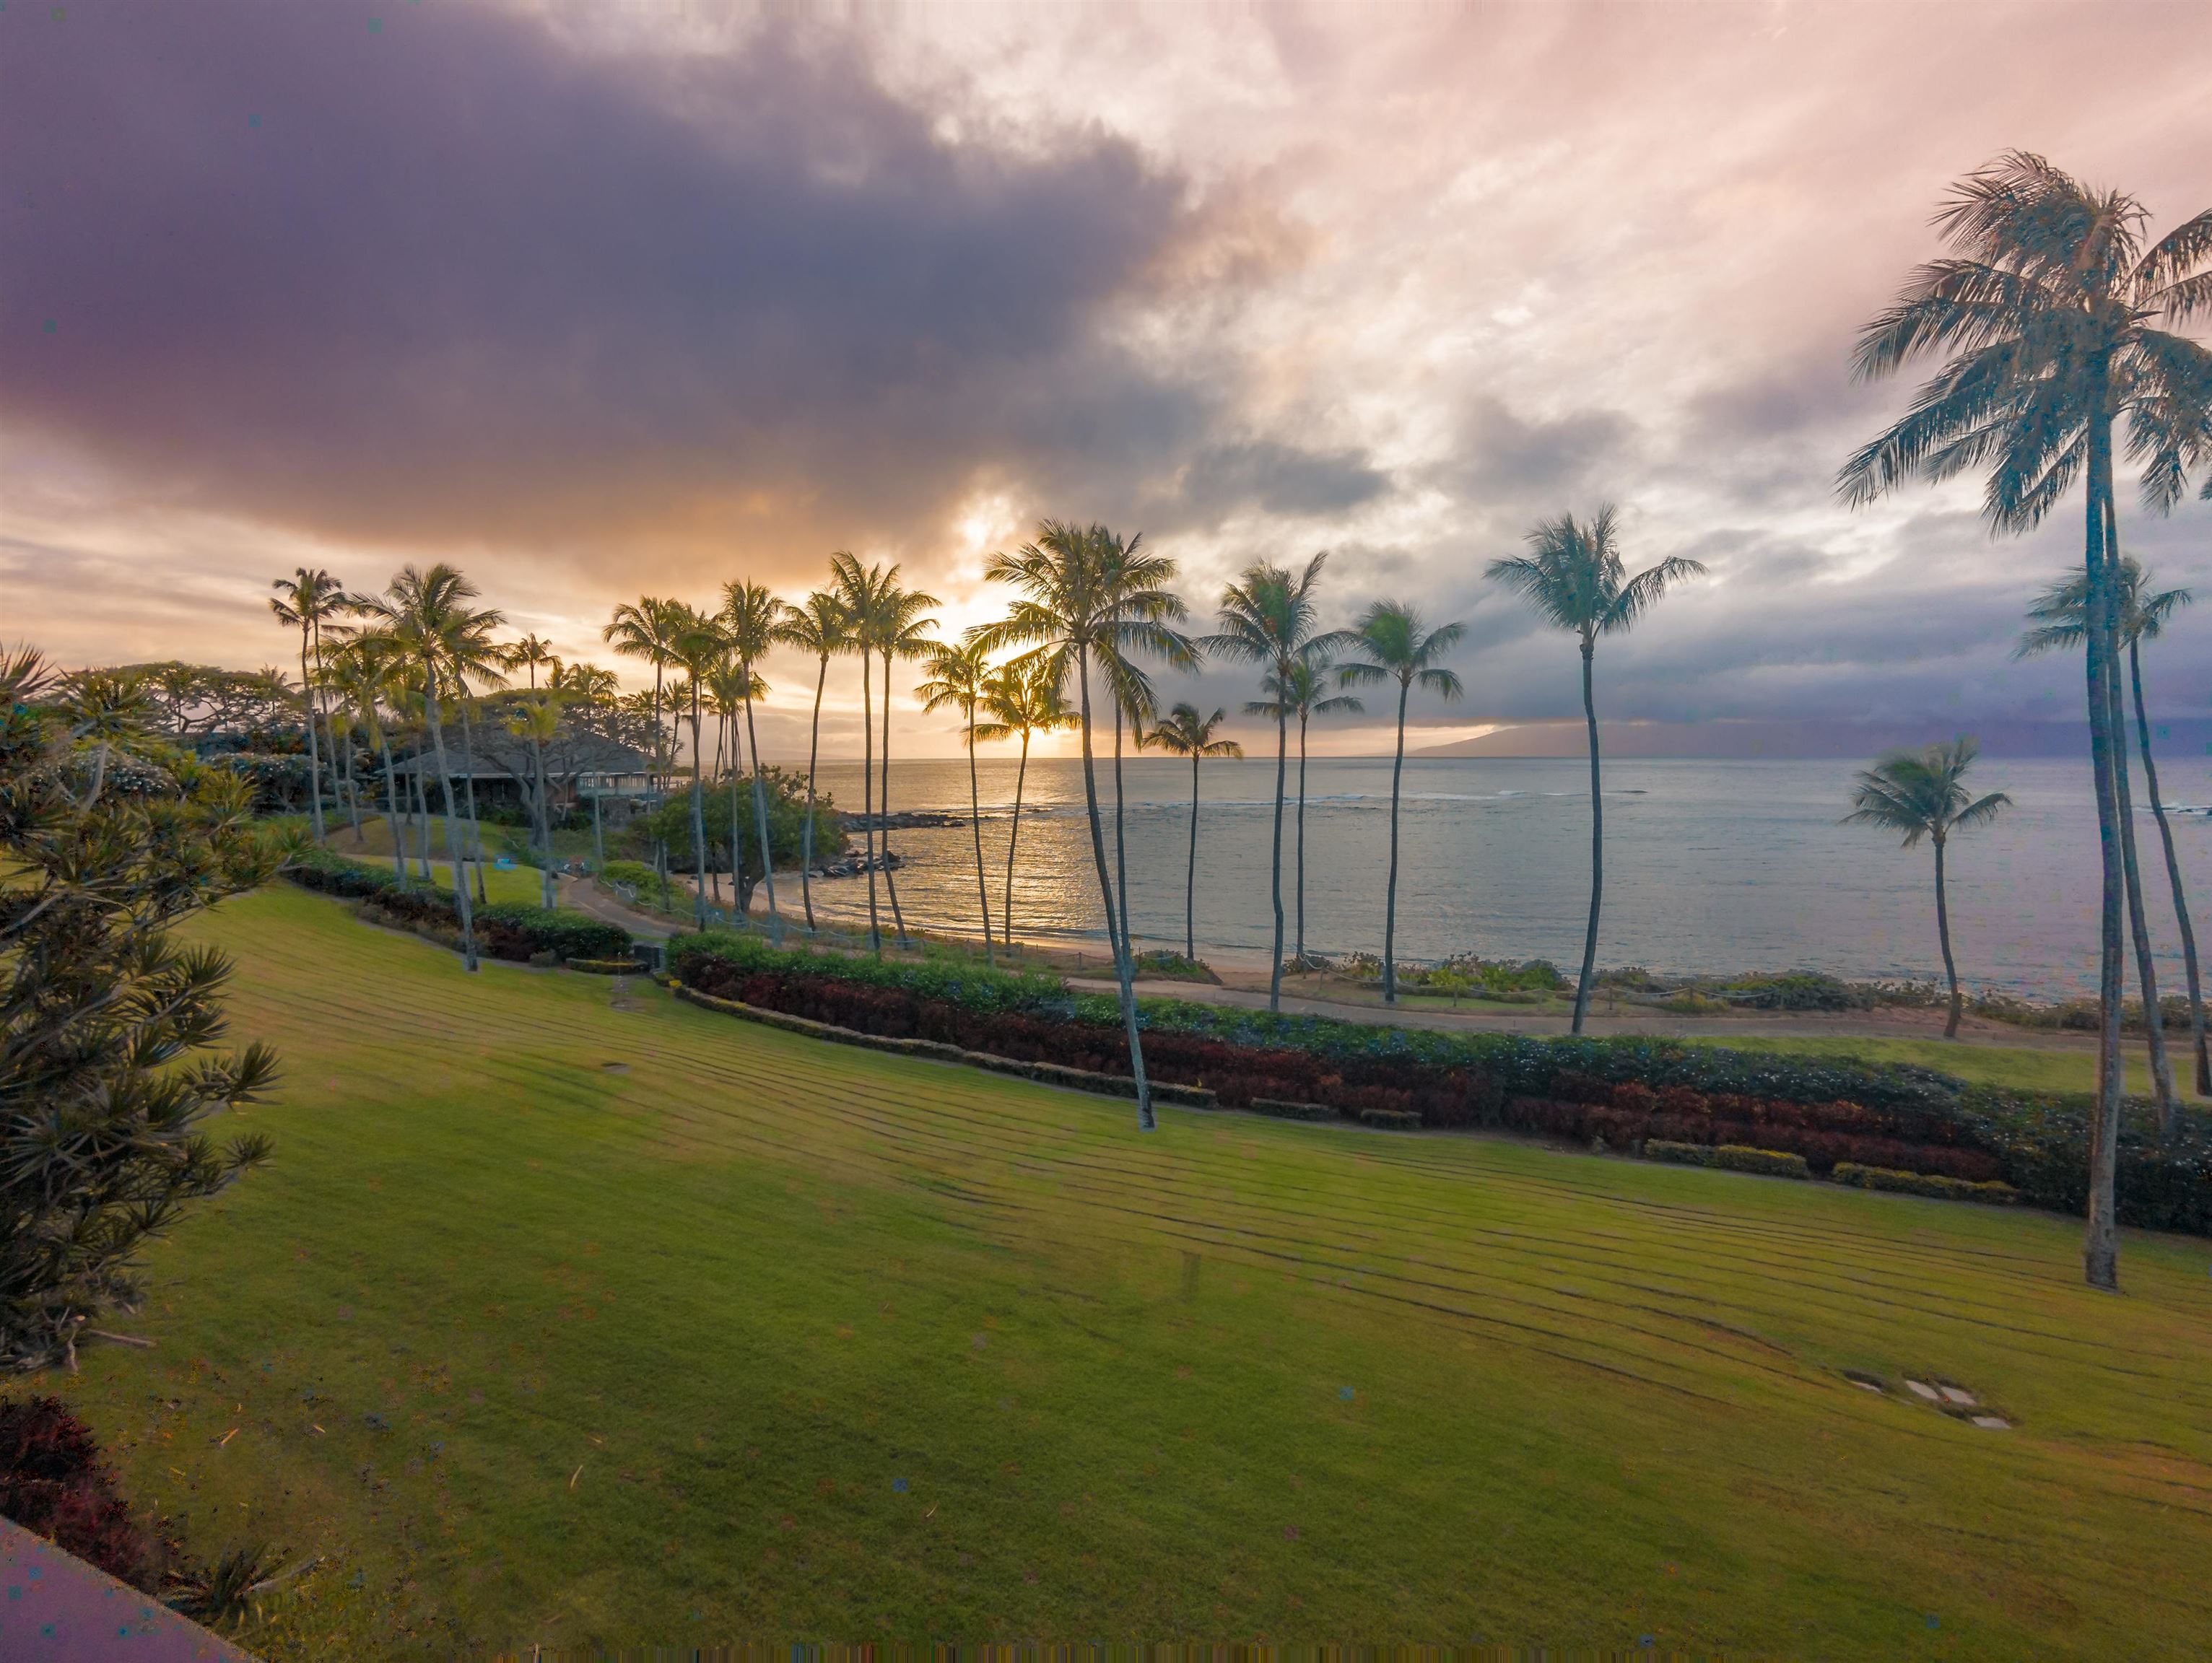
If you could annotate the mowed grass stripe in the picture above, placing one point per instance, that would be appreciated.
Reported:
(1591, 1399)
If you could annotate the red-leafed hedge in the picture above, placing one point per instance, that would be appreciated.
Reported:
(53, 1482)
(1237, 1073)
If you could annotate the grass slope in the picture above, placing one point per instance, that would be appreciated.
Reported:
(769, 1337)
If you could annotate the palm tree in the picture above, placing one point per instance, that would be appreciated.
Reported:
(1400, 647)
(897, 629)
(536, 717)
(527, 654)
(2060, 612)
(752, 622)
(2044, 314)
(1024, 700)
(698, 645)
(730, 684)
(648, 629)
(1267, 619)
(310, 598)
(1187, 733)
(1306, 695)
(860, 594)
(475, 656)
(959, 676)
(1086, 595)
(817, 625)
(1922, 793)
(428, 621)
(1576, 580)
(361, 675)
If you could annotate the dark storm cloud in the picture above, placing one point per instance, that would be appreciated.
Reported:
(445, 278)
(1274, 478)
(1526, 459)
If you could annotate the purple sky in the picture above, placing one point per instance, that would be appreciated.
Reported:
(592, 300)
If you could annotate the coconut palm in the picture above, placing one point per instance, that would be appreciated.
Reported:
(1267, 619)
(474, 657)
(361, 675)
(959, 676)
(1575, 578)
(1305, 696)
(427, 617)
(2045, 315)
(2061, 614)
(896, 629)
(648, 629)
(1922, 793)
(528, 654)
(860, 594)
(536, 716)
(752, 622)
(730, 683)
(309, 599)
(1085, 595)
(1024, 700)
(698, 645)
(817, 625)
(1187, 733)
(1400, 647)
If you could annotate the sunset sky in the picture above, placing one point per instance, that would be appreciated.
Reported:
(605, 299)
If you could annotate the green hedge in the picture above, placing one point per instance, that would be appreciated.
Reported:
(505, 930)
(1921, 1183)
(956, 981)
(1774, 1163)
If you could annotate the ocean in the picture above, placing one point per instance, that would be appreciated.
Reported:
(1711, 866)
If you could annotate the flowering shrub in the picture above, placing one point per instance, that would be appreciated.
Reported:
(53, 1482)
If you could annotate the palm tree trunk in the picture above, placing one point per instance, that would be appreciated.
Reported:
(1128, 992)
(1943, 932)
(475, 832)
(740, 913)
(1299, 959)
(2161, 1066)
(1390, 891)
(1014, 842)
(2100, 1245)
(1121, 848)
(1597, 847)
(314, 753)
(422, 813)
(806, 832)
(445, 781)
(2203, 1082)
(599, 836)
(868, 800)
(975, 826)
(698, 819)
(1275, 860)
(760, 813)
(545, 826)
(391, 810)
(890, 881)
(1190, 876)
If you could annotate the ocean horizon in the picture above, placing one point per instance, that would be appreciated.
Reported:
(1712, 865)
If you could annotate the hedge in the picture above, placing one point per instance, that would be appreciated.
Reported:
(1921, 1183)
(1630, 1091)
(506, 930)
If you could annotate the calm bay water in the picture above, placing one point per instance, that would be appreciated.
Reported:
(1710, 866)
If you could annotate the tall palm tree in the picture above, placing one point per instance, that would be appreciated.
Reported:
(1268, 618)
(1187, 733)
(752, 622)
(362, 669)
(819, 625)
(1024, 700)
(427, 618)
(859, 592)
(1400, 648)
(1575, 578)
(527, 654)
(732, 684)
(475, 656)
(647, 628)
(1923, 794)
(1305, 695)
(958, 676)
(310, 598)
(2045, 315)
(2061, 615)
(536, 717)
(1087, 595)
(698, 645)
(896, 629)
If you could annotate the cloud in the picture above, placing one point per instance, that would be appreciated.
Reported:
(452, 281)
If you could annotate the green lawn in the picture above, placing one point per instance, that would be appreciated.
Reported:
(569, 1315)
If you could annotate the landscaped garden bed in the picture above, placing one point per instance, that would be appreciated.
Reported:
(504, 930)
(1926, 1133)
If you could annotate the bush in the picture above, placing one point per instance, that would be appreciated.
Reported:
(635, 873)
(514, 930)
(506, 930)
(1774, 1163)
(53, 1483)
(1921, 1183)
(1687, 1154)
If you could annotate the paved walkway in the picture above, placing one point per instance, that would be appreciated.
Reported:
(55, 1608)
